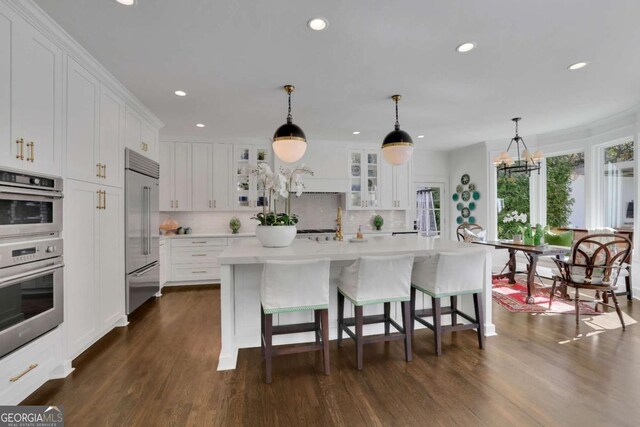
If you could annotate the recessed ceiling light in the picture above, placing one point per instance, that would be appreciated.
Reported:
(577, 66)
(200, 125)
(318, 24)
(420, 136)
(127, 2)
(357, 132)
(465, 47)
(180, 93)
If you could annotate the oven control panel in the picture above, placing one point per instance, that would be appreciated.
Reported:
(15, 253)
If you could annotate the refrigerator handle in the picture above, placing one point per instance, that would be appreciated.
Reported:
(148, 220)
(145, 216)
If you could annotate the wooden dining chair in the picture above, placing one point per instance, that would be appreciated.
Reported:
(466, 226)
(596, 263)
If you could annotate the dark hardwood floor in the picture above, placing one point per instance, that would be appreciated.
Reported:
(161, 370)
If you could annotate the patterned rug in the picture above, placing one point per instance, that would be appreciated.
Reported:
(513, 298)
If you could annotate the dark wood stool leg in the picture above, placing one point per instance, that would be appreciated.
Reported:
(454, 307)
(477, 303)
(387, 315)
(262, 330)
(437, 324)
(407, 320)
(412, 310)
(615, 302)
(340, 317)
(627, 281)
(324, 320)
(268, 348)
(316, 320)
(359, 336)
(577, 301)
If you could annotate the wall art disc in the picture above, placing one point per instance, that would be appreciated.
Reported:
(476, 195)
(466, 213)
(459, 188)
(465, 179)
(466, 196)
(472, 187)
(472, 220)
(459, 220)
(472, 206)
(455, 197)
(459, 206)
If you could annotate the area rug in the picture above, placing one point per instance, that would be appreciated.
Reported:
(513, 298)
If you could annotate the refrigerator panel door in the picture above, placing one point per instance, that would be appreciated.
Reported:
(142, 285)
(154, 222)
(136, 220)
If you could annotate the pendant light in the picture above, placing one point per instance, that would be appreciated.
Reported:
(289, 141)
(397, 147)
(525, 161)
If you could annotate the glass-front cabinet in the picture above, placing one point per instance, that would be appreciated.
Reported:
(247, 188)
(364, 175)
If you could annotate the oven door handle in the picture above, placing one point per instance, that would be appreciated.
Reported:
(9, 280)
(29, 192)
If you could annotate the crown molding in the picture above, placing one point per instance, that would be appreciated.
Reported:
(35, 16)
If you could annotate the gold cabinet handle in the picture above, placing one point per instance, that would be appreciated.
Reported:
(99, 193)
(104, 200)
(172, 204)
(210, 204)
(104, 171)
(25, 372)
(214, 204)
(176, 204)
(99, 166)
(32, 149)
(20, 155)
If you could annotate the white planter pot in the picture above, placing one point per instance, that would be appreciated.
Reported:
(276, 236)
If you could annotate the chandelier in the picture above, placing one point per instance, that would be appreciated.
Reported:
(524, 162)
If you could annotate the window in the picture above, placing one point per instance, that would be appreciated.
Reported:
(618, 189)
(565, 191)
(428, 211)
(513, 196)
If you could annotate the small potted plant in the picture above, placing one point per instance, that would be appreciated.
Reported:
(378, 222)
(235, 224)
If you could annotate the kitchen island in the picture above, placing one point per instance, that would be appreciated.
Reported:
(241, 269)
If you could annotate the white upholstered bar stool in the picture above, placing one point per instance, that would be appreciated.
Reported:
(290, 286)
(449, 275)
(375, 280)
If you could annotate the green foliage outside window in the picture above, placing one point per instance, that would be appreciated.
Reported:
(560, 171)
(514, 192)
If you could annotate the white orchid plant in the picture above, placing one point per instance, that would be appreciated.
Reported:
(285, 184)
(513, 223)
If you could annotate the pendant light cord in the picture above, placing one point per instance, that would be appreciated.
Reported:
(397, 121)
(289, 117)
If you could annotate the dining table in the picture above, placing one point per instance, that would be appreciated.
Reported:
(532, 254)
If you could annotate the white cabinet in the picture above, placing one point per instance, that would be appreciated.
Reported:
(196, 259)
(140, 136)
(162, 255)
(94, 271)
(30, 97)
(364, 180)
(247, 189)
(210, 173)
(110, 151)
(175, 176)
(395, 186)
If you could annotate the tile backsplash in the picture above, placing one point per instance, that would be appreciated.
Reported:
(314, 210)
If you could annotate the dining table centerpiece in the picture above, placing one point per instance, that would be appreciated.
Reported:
(278, 229)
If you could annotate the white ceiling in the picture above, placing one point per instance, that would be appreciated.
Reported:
(232, 57)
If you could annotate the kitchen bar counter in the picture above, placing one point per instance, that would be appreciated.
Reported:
(241, 269)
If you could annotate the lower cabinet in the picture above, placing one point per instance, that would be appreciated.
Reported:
(196, 259)
(94, 278)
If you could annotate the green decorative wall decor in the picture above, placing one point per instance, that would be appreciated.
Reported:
(466, 191)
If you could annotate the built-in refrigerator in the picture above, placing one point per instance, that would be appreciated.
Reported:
(142, 225)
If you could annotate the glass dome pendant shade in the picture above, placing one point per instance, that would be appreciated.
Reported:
(397, 147)
(289, 140)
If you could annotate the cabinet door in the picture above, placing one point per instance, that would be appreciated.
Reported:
(182, 176)
(402, 184)
(242, 182)
(387, 184)
(167, 202)
(7, 146)
(111, 286)
(111, 153)
(371, 182)
(81, 272)
(37, 98)
(133, 130)
(82, 102)
(221, 176)
(202, 177)
(149, 140)
(354, 196)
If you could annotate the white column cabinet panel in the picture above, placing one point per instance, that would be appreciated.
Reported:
(202, 175)
(7, 146)
(149, 140)
(83, 93)
(175, 176)
(133, 130)
(36, 99)
(81, 265)
(167, 186)
(111, 152)
(110, 237)
(221, 162)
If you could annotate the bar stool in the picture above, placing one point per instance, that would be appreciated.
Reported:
(291, 286)
(449, 275)
(375, 280)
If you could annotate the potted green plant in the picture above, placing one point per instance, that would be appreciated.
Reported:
(378, 222)
(278, 229)
(235, 224)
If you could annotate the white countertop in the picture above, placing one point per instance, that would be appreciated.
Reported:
(201, 235)
(250, 251)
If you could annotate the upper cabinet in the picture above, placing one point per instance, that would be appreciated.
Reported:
(210, 174)
(30, 97)
(111, 152)
(396, 185)
(175, 176)
(248, 189)
(364, 180)
(140, 136)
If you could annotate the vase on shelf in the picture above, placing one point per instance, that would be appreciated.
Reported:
(276, 236)
(517, 238)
